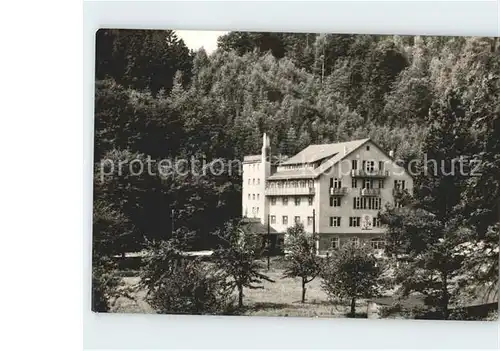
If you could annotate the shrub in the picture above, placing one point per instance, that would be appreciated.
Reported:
(177, 284)
(352, 273)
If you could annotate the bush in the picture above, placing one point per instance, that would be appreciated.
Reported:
(177, 284)
(192, 288)
(105, 284)
(352, 273)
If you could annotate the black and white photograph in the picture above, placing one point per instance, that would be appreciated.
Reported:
(316, 175)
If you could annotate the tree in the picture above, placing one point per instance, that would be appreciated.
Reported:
(142, 59)
(427, 253)
(237, 256)
(426, 234)
(110, 228)
(179, 284)
(302, 261)
(352, 273)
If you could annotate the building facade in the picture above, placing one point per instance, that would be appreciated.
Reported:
(335, 190)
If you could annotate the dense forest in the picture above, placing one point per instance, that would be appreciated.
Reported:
(155, 99)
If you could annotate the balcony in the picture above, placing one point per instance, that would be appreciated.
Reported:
(289, 191)
(338, 191)
(364, 173)
(369, 192)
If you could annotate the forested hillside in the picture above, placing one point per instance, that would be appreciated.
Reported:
(155, 98)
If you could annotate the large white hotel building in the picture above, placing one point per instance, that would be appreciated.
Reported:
(335, 190)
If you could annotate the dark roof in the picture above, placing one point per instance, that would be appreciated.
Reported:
(254, 226)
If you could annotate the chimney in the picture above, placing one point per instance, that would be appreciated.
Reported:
(345, 150)
(391, 154)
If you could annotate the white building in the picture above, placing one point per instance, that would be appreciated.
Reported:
(335, 190)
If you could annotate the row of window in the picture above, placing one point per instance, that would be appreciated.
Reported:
(367, 165)
(291, 184)
(366, 183)
(297, 200)
(399, 184)
(297, 219)
(251, 181)
(255, 166)
(359, 203)
(353, 221)
(334, 183)
(375, 243)
(253, 196)
(367, 203)
(334, 221)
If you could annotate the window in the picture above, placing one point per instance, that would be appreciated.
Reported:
(285, 220)
(354, 221)
(335, 201)
(273, 201)
(248, 181)
(380, 165)
(337, 183)
(309, 220)
(356, 203)
(376, 222)
(310, 200)
(297, 201)
(354, 164)
(381, 184)
(334, 221)
(367, 147)
(273, 219)
(363, 203)
(285, 201)
(334, 243)
(297, 219)
(368, 183)
(399, 184)
(369, 166)
(354, 183)
(354, 241)
(257, 210)
(253, 196)
(258, 181)
(258, 196)
(248, 196)
(253, 181)
(377, 243)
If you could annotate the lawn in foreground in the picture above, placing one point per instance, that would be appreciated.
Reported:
(281, 298)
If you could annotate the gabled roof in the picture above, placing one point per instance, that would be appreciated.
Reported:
(336, 152)
(314, 153)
